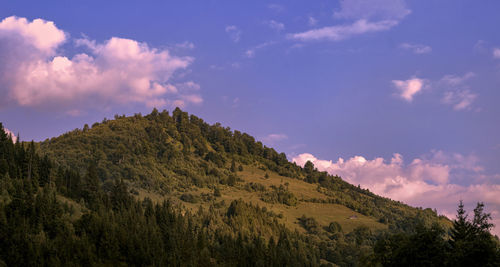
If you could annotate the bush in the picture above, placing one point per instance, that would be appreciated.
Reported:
(310, 224)
(187, 197)
(217, 192)
(279, 195)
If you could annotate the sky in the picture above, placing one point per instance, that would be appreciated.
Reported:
(397, 96)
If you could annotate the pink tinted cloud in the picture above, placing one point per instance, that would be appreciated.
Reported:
(12, 135)
(117, 71)
(409, 88)
(344, 31)
(425, 182)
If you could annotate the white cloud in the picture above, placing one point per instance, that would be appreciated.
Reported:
(456, 92)
(428, 181)
(496, 52)
(372, 9)
(277, 26)
(366, 16)
(43, 35)
(12, 135)
(342, 32)
(271, 138)
(234, 33)
(117, 71)
(409, 88)
(416, 48)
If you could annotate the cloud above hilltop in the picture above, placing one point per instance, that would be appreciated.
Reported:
(118, 71)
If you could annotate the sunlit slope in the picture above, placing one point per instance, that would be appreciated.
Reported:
(164, 155)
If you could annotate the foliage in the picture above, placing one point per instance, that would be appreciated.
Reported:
(468, 243)
(279, 195)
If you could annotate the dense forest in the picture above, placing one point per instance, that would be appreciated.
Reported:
(78, 199)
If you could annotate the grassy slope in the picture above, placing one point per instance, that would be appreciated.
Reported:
(324, 213)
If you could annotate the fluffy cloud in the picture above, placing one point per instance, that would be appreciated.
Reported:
(454, 88)
(341, 32)
(365, 15)
(431, 181)
(416, 48)
(43, 35)
(234, 33)
(409, 88)
(117, 71)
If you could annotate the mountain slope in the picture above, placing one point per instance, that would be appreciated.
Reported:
(168, 154)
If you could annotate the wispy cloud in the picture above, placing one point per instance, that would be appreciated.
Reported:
(460, 100)
(117, 71)
(342, 32)
(185, 45)
(416, 48)
(277, 26)
(234, 33)
(409, 88)
(250, 53)
(312, 21)
(457, 92)
(272, 138)
(372, 9)
(456, 80)
(366, 16)
(496, 52)
(276, 7)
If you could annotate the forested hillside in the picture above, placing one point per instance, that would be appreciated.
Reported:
(170, 189)
(169, 153)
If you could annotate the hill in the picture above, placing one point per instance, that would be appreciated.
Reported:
(170, 189)
(168, 154)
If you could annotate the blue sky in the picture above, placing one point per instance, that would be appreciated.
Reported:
(398, 96)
